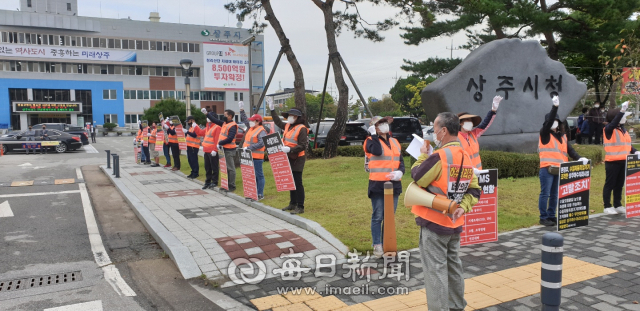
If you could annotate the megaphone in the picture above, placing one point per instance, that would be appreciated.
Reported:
(415, 195)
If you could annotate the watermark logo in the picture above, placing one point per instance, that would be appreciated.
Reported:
(247, 271)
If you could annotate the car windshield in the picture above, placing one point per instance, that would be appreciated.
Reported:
(402, 125)
(354, 129)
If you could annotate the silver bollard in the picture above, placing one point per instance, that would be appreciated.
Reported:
(108, 158)
(551, 273)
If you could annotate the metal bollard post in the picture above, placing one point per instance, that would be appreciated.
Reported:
(551, 274)
(113, 156)
(117, 167)
(389, 243)
(108, 158)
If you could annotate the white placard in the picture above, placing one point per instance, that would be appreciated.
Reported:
(65, 52)
(415, 145)
(226, 66)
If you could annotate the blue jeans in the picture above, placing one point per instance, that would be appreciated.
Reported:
(145, 154)
(377, 202)
(192, 157)
(165, 150)
(548, 201)
(257, 164)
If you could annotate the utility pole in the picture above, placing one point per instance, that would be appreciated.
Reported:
(452, 49)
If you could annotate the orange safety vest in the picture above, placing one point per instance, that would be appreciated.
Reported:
(173, 139)
(471, 146)
(139, 135)
(554, 152)
(618, 146)
(291, 136)
(224, 133)
(389, 161)
(152, 139)
(193, 142)
(251, 137)
(209, 142)
(450, 159)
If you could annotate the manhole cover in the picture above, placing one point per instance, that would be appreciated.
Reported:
(39, 281)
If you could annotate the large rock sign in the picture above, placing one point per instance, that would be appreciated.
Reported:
(522, 73)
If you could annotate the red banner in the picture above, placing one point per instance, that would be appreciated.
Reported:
(481, 224)
(249, 185)
(632, 186)
(136, 153)
(159, 140)
(630, 80)
(182, 141)
(574, 187)
(279, 163)
(224, 177)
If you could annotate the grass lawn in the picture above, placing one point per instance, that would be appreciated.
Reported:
(336, 198)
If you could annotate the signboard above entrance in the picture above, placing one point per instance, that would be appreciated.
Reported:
(47, 107)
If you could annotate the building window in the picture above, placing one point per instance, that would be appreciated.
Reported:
(28, 3)
(132, 118)
(111, 118)
(109, 94)
(241, 96)
(68, 6)
(235, 96)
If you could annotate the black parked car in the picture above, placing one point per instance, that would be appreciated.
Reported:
(70, 129)
(571, 127)
(401, 128)
(354, 134)
(67, 142)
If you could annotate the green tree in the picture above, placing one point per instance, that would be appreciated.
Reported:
(173, 107)
(313, 106)
(403, 95)
(432, 67)
(356, 110)
(384, 107)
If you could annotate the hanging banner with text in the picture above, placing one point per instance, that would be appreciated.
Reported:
(182, 141)
(249, 185)
(481, 224)
(64, 53)
(159, 140)
(632, 186)
(226, 66)
(573, 195)
(279, 163)
(224, 177)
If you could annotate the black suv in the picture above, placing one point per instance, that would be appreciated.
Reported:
(354, 133)
(401, 128)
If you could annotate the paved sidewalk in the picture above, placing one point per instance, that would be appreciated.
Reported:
(214, 228)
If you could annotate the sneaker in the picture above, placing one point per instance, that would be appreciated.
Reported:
(190, 176)
(260, 197)
(155, 165)
(610, 211)
(377, 250)
(206, 186)
(212, 186)
(232, 189)
(175, 169)
(167, 166)
(195, 176)
(547, 222)
(297, 210)
(289, 208)
(147, 163)
(621, 210)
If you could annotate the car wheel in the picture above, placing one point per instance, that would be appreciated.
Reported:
(61, 148)
(5, 149)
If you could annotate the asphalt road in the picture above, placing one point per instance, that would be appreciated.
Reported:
(46, 249)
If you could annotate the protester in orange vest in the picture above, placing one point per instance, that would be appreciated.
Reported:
(617, 145)
(447, 172)
(553, 149)
(137, 142)
(210, 148)
(471, 129)
(152, 146)
(193, 146)
(385, 164)
(165, 144)
(173, 144)
(295, 140)
(253, 141)
(145, 132)
(227, 143)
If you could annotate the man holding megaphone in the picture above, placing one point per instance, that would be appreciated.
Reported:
(451, 191)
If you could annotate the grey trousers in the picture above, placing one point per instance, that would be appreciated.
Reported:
(444, 277)
(231, 167)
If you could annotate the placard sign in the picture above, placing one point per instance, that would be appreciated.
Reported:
(279, 163)
(159, 140)
(224, 177)
(573, 195)
(182, 141)
(31, 146)
(249, 185)
(632, 186)
(481, 224)
(226, 66)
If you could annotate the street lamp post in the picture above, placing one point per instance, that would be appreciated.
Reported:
(247, 42)
(186, 66)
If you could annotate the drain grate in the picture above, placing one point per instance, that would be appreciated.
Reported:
(40, 281)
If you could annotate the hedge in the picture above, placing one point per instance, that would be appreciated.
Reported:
(511, 164)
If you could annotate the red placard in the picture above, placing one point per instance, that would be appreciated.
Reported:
(249, 186)
(632, 186)
(481, 224)
(182, 141)
(224, 177)
(279, 163)
(159, 140)
(136, 152)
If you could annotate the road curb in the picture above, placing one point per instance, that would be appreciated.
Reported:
(179, 253)
(295, 220)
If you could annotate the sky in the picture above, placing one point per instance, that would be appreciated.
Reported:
(374, 66)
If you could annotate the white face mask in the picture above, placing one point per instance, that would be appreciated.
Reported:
(555, 125)
(291, 119)
(384, 128)
(597, 106)
(467, 125)
(208, 120)
(252, 124)
(437, 141)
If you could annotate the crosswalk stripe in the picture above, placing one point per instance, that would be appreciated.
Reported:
(95, 305)
(90, 149)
